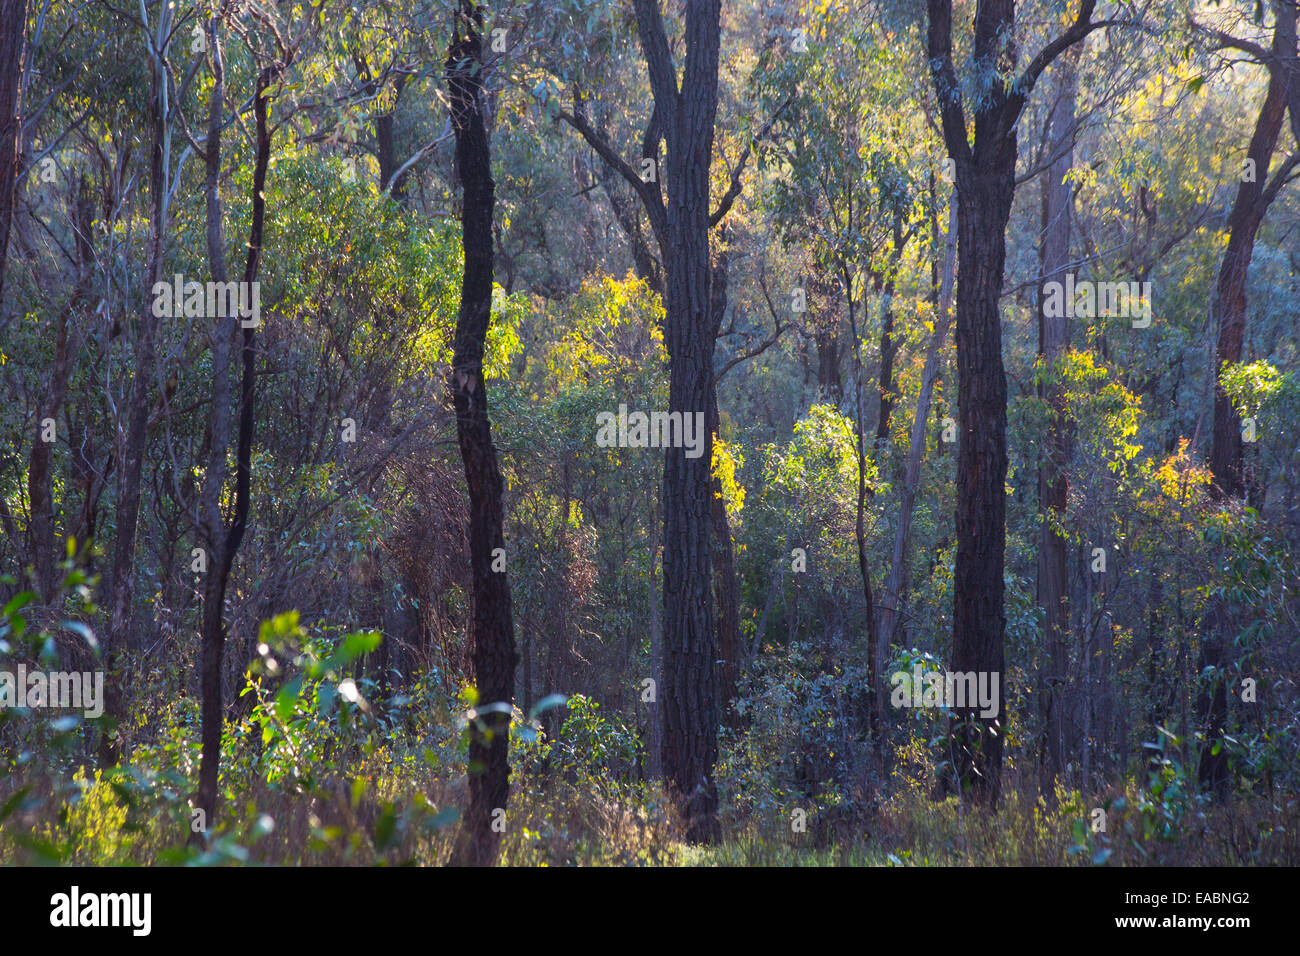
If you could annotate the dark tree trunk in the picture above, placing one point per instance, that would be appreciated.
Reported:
(1053, 486)
(386, 146)
(829, 381)
(13, 27)
(224, 542)
(1248, 210)
(683, 119)
(491, 624)
(979, 622)
(888, 352)
(690, 692)
(985, 174)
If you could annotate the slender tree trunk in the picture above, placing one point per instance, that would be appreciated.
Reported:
(875, 707)
(39, 480)
(13, 28)
(896, 582)
(224, 542)
(131, 445)
(726, 589)
(1053, 486)
(491, 622)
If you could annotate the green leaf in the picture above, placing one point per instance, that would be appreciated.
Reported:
(20, 600)
(12, 803)
(287, 698)
(354, 645)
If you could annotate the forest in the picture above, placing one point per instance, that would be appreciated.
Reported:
(650, 433)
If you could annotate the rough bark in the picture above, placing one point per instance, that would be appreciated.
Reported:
(690, 695)
(491, 621)
(1248, 210)
(985, 174)
(684, 121)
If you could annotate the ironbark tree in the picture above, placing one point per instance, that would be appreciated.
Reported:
(492, 635)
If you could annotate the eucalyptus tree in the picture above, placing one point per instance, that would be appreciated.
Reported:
(984, 168)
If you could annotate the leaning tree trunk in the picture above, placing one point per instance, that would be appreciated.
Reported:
(491, 623)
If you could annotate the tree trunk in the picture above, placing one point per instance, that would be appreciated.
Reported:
(13, 28)
(875, 704)
(131, 445)
(896, 582)
(690, 691)
(684, 119)
(39, 479)
(223, 542)
(1053, 486)
(1248, 210)
(491, 622)
(985, 173)
(1247, 214)
(386, 146)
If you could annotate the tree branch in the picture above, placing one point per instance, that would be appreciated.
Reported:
(659, 62)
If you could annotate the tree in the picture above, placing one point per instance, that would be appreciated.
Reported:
(683, 121)
(492, 634)
(1255, 193)
(1057, 208)
(130, 443)
(223, 541)
(985, 169)
(13, 29)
